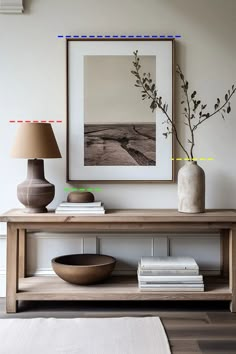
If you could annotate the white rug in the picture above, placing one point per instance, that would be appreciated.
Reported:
(126, 335)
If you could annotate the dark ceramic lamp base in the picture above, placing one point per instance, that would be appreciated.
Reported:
(35, 193)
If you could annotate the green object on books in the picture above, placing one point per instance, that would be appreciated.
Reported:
(89, 189)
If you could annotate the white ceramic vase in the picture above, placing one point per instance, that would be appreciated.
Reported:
(191, 188)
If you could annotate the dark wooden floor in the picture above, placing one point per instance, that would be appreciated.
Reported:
(192, 328)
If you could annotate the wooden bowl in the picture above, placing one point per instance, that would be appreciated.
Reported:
(83, 269)
(80, 197)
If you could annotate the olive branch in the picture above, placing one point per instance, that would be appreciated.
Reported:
(195, 111)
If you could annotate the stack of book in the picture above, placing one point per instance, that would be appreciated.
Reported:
(169, 274)
(80, 208)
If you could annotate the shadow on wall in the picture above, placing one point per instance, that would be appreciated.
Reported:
(222, 188)
(27, 6)
(202, 13)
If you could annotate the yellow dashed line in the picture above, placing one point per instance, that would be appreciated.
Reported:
(193, 159)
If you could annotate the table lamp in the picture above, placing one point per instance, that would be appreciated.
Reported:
(35, 141)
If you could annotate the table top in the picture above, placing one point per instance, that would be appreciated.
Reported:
(124, 215)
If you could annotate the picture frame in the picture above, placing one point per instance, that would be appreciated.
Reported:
(112, 134)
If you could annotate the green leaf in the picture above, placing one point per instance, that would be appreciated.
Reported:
(226, 97)
(228, 109)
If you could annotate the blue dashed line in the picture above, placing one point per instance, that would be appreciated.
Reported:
(122, 36)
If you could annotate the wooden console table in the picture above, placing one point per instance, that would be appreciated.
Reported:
(19, 287)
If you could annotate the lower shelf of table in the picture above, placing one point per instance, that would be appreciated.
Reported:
(116, 288)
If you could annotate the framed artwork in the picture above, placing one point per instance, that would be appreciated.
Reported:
(112, 134)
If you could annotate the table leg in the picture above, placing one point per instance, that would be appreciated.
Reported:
(22, 253)
(12, 268)
(232, 267)
(225, 253)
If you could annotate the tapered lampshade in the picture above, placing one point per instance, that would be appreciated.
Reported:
(35, 140)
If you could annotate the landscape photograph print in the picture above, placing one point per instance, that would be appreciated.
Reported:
(119, 128)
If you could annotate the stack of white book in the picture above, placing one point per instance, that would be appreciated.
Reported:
(80, 208)
(169, 274)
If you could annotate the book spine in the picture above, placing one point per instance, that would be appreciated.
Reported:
(172, 290)
(166, 272)
(168, 267)
(170, 286)
(73, 212)
(170, 279)
(79, 209)
(87, 205)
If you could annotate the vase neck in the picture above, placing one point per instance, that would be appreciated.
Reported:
(35, 169)
(191, 162)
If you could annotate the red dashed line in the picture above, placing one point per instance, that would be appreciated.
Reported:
(35, 121)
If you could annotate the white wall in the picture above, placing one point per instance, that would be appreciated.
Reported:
(33, 78)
